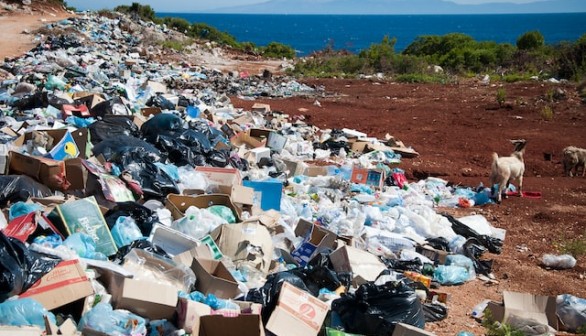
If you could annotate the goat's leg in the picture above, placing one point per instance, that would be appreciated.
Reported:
(521, 186)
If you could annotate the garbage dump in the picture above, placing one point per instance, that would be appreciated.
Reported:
(142, 201)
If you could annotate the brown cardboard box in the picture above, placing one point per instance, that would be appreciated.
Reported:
(316, 240)
(402, 329)
(144, 298)
(234, 241)
(261, 108)
(539, 308)
(21, 331)
(221, 176)
(214, 278)
(370, 177)
(298, 313)
(64, 284)
(364, 266)
(178, 204)
(41, 169)
(435, 255)
(198, 319)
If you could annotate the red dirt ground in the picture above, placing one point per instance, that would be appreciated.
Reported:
(455, 128)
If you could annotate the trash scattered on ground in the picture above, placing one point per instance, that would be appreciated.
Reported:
(136, 191)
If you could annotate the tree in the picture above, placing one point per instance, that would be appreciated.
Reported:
(530, 41)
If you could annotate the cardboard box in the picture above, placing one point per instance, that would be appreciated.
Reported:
(248, 242)
(64, 284)
(149, 111)
(297, 313)
(267, 194)
(30, 225)
(21, 331)
(314, 171)
(370, 177)
(246, 140)
(221, 176)
(145, 298)
(256, 154)
(80, 110)
(178, 204)
(261, 108)
(316, 239)
(364, 265)
(433, 254)
(84, 215)
(198, 319)
(89, 100)
(402, 329)
(539, 308)
(48, 172)
(214, 278)
(295, 167)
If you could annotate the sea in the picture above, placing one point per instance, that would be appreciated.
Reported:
(309, 33)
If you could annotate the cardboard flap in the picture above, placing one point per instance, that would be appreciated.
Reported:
(249, 242)
(536, 307)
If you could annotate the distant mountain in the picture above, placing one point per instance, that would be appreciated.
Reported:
(402, 7)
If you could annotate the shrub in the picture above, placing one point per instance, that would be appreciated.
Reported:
(494, 328)
(205, 31)
(278, 50)
(501, 96)
(547, 113)
(575, 246)
(421, 78)
(530, 40)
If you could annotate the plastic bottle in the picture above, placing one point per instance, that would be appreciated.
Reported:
(563, 261)
(478, 310)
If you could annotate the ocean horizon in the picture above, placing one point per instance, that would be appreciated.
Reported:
(308, 33)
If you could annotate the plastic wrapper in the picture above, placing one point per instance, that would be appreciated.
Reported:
(24, 312)
(563, 261)
(21, 208)
(162, 328)
(152, 267)
(571, 311)
(198, 222)
(15, 188)
(112, 322)
(84, 246)
(125, 231)
(20, 267)
(451, 275)
(494, 245)
(223, 212)
(375, 310)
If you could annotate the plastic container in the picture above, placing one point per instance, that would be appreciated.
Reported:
(478, 310)
(563, 261)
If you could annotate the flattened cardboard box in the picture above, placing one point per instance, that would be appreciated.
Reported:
(364, 265)
(245, 242)
(148, 299)
(41, 169)
(298, 313)
(64, 284)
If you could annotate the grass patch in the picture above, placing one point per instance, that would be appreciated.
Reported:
(546, 113)
(421, 78)
(515, 77)
(495, 328)
(575, 246)
(501, 96)
(176, 45)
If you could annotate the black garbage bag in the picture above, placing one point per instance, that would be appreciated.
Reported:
(175, 151)
(117, 145)
(439, 243)
(494, 245)
(198, 141)
(39, 99)
(375, 310)
(213, 134)
(161, 102)
(319, 273)
(474, 250)
(144, 217)
(14, 188)
(218, 158)
(114, 106)
(154, 181)
(434, 312)
(238, 162)
(20, 267)
(56, 102)
(162, 123)
(142, 244)
(110, 127)
(268, 294)
(403, 265)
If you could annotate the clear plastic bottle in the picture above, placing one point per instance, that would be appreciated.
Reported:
(478, 310)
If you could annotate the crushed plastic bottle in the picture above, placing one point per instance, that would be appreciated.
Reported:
(478, 310)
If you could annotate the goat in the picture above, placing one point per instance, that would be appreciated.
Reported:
(507, 168)
(574, 157)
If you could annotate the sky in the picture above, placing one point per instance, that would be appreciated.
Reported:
(202, 5)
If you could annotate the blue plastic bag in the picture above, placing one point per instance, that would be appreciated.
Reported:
(24, 312)
(21, 208)
(451, 275)
(113, 322)
(84, 246)
(125, 231)
(464, 261)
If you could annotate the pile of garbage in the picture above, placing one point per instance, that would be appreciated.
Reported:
(138, 200)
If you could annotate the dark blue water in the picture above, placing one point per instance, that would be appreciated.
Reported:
(308, 33)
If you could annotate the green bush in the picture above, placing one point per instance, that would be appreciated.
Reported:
(530, 40)
(205, 31)
(144, 12)
(501, 96)
(380, 56)
(421, 78)
(278, 50)
(179, 24)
